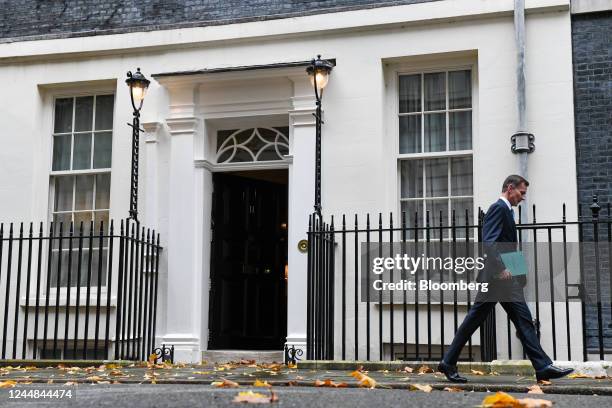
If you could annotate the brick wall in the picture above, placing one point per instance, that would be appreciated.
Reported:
(55, 18)
(592, 54)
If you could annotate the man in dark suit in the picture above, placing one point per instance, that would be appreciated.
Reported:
(499, 227)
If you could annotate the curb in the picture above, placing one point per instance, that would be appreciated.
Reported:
(515, 367)
(504, 367)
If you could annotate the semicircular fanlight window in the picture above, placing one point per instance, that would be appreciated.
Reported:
(252, 145)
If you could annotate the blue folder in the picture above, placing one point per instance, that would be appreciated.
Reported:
(515, 263)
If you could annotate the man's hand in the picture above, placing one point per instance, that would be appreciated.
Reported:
(505, 275)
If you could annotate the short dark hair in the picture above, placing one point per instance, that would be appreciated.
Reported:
(515, 180)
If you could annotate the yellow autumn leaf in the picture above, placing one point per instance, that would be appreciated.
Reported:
(535, 389)
(259, 383)
(364, 380)
(7, 384)
(421, 387)
(95, 378)
(252, 398)
(499, 400)
(225, 383)
(477, 372)
(544, 382)
(291, 365)
(152, 358)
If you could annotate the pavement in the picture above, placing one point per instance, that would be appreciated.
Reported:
(245, 374)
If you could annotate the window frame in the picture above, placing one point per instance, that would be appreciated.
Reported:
(53, 174)
(422, 68)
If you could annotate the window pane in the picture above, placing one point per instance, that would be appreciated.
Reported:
(102, 191)
(414, 213)
(460, 205)
(104, 112)
(82, 152)
(63, 115)
(102, 150)
(410, 134)
(438, 212)
(435, 132)
(459, 89)
(461, 176)
(83, 195)
(85, 217)
(61, 152)
(63, 193)
(64, 219)
(435, 96)
(412, 178)
(436, 177)
(101, 216)
(83, 113)
(410, 93)
(460, 130)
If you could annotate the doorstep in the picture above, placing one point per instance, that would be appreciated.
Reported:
(260, 356)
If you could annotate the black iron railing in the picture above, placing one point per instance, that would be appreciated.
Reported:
(78, 291)
(346, 322)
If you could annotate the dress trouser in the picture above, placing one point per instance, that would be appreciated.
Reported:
(520, 315)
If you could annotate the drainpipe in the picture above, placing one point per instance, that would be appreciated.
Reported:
(522, 141)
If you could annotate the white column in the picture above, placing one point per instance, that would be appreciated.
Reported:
(301, 202)
(183, 310)
(150, 204)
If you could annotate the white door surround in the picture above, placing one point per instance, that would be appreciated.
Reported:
(198, 106)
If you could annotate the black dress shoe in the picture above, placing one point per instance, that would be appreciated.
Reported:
(451, 373)
(552, 372)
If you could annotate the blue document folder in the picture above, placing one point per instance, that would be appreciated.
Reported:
(515, 263)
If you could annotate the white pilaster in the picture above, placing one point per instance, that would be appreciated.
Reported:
(301, 201)
(184, 273)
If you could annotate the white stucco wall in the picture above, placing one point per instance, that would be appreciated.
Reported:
(359, 138)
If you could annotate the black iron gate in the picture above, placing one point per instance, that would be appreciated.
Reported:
(340, 324)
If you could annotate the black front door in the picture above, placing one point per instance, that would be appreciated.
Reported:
(249, 253)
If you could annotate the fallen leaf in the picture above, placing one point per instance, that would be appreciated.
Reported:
(201, 372)
(152, 358)
(534, 403)
(95, 378)
(581, 375)
(255, 397)
(7, 384)
(330, 383)
(292, 365)
(225, 383)
(499, 400)
(292, 383)
(503, 400)
(116, 372)
(535, 389)
(421, 387)
(50, 382)
(70, 383)
(544, 382)
(407, 369)
(452, 389)
(424, 370)
(364, 380)
(103, 382)
(259, 383)
(476, 372)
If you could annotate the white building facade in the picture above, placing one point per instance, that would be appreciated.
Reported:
(418, 113)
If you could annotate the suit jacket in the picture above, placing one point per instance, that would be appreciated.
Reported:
(498, 228)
